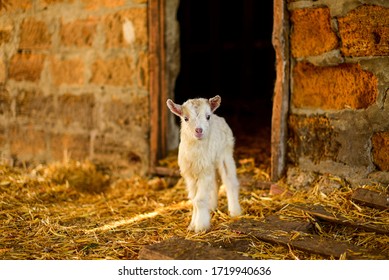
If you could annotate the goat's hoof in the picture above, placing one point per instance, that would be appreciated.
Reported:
(191, 227)
(203, 227)
(199, 228)
(213, 206)
(235, 212)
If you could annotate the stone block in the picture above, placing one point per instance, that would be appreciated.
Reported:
(78, 33)
(34, 34)
(365, 31)
(128, 114)
(3, 71)
(5, 102)
(128, 157)
(25, 66)
(69, 146)
(78, 109)
(31, 103)
(143, 70)
(380, 143)
(113, 71)
(336, 87)
(67, 71)
(113, 25)
(26, 143)
(312, 33)
(5, 34)
(15, 6)
(108, 144)
(47, 3)
(312, 137)
(98, 4)
(3, 139)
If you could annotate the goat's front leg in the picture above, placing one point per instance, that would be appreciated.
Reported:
(201, 217)
(191, 187)
(213, 195)
(192, 225)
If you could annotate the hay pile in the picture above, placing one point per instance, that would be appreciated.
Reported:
(81, 211)
(73, 211)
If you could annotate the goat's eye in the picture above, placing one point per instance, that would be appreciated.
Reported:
(186, 119)
(208, 117)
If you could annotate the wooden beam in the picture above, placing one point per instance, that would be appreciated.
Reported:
(321, 213)
(272, 223)
(157, 80)
(283, 234)
(165, 171)
(164, 86)
(183, 249)
(371, 198)
(281, 89)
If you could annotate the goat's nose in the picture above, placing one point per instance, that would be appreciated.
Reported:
(199, 130)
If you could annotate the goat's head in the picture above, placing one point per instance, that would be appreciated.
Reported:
(196, 115)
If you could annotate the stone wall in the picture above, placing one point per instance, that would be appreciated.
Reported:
(339, 110)
(74, 82)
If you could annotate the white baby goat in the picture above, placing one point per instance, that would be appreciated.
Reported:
(206, 144)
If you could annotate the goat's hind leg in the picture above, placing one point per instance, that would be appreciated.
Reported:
(227, 170)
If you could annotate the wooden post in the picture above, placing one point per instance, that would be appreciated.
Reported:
(157, 83)
(281, 89)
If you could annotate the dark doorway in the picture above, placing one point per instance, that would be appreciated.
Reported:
(226, 49)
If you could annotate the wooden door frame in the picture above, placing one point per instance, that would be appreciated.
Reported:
(157, 81)
(159, 95)
(279, 128)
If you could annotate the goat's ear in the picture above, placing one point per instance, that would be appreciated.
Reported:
(174, 108)
(214, 102)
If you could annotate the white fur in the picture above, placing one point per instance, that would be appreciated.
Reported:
(206, 146)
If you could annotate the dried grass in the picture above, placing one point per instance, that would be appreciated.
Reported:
(78, 210)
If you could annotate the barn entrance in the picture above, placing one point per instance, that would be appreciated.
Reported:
(226, 49)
